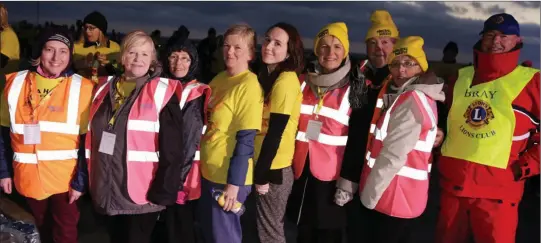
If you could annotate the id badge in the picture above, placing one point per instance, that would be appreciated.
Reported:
(32, 134)
(313, 130)
(107, 143)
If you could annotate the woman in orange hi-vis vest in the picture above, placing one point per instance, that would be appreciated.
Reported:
(45, 112)
(135, 152)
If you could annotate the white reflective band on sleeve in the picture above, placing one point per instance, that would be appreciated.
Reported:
(142, 156)
(186, 93)
(159, 94)
(379, 103)
(325, 139)
(429, 167)
(405, 171)
(336, 115)
(303, 85)
(87, 153)
(143, 126)
(197, 155)
(521, 137)
(47, 126)
(427, 108)
(48, 155)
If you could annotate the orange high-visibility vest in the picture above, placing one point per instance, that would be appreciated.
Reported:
(41, 170)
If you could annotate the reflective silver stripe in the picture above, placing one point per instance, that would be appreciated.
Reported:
(143, 126)
(197, 155)
(325, 139)
(303, 85)
(100, 89)
(379, 103)
(344, 105)
(327, 112)
(159, 94)
(204, 130)
(47, 126)
(87, 153)
(142, 156)
(372, 128)
(186, 93)
(521, 137)
(73, 100)
(44, 155)
(405, 171)
(13, 98)
(69, 127)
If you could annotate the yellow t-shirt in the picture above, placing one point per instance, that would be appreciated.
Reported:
(9, 46)
(236, 104)
(80, 53)
(285, 98)
(44, 86)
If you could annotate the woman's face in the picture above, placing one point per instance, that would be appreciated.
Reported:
(137, 59)
(92, 33)
(55, 57)
(403, 68)
(330, 53)
(236, 51)
(179, 63)
(274, 49)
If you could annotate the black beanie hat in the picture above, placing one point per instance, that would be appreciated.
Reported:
(97, 19)
(60, 34)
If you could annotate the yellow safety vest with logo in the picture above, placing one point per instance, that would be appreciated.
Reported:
(481, 121)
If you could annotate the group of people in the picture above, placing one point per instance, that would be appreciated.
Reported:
(152, 141)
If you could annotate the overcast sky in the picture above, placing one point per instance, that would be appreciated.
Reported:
(436, 22)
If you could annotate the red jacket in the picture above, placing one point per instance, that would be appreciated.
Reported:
(466, 179)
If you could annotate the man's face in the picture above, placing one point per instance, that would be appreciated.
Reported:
(378, 49)
(494, 41)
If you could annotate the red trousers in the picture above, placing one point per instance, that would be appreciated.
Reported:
(56, 219)
(489, 220)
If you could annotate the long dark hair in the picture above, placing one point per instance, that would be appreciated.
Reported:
(294, 63)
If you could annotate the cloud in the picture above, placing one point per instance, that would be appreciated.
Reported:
(436, 22)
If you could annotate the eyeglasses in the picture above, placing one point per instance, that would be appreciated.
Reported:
(174, 59)
(91, 28)
(404, 64)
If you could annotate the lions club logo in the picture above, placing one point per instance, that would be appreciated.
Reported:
(478, 114)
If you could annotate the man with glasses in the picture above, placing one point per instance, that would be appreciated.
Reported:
(492, 141)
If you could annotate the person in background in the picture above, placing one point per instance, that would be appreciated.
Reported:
(380, 39)
(450, 51)
(44, 119)
(394, 181)
(133, 118)
(182, 64)
(206, 48)
(218, 64)
(447, 67)
(9, 45)
(282, 54)
(93, 46)
(321, 139)
(227, 148)
(492, 139)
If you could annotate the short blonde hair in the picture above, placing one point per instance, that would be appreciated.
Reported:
(136, 38)
(4, 24)
(246, 32)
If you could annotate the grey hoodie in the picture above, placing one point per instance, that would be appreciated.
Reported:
(404, 128)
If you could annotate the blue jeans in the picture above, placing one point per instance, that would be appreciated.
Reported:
(224, 226)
